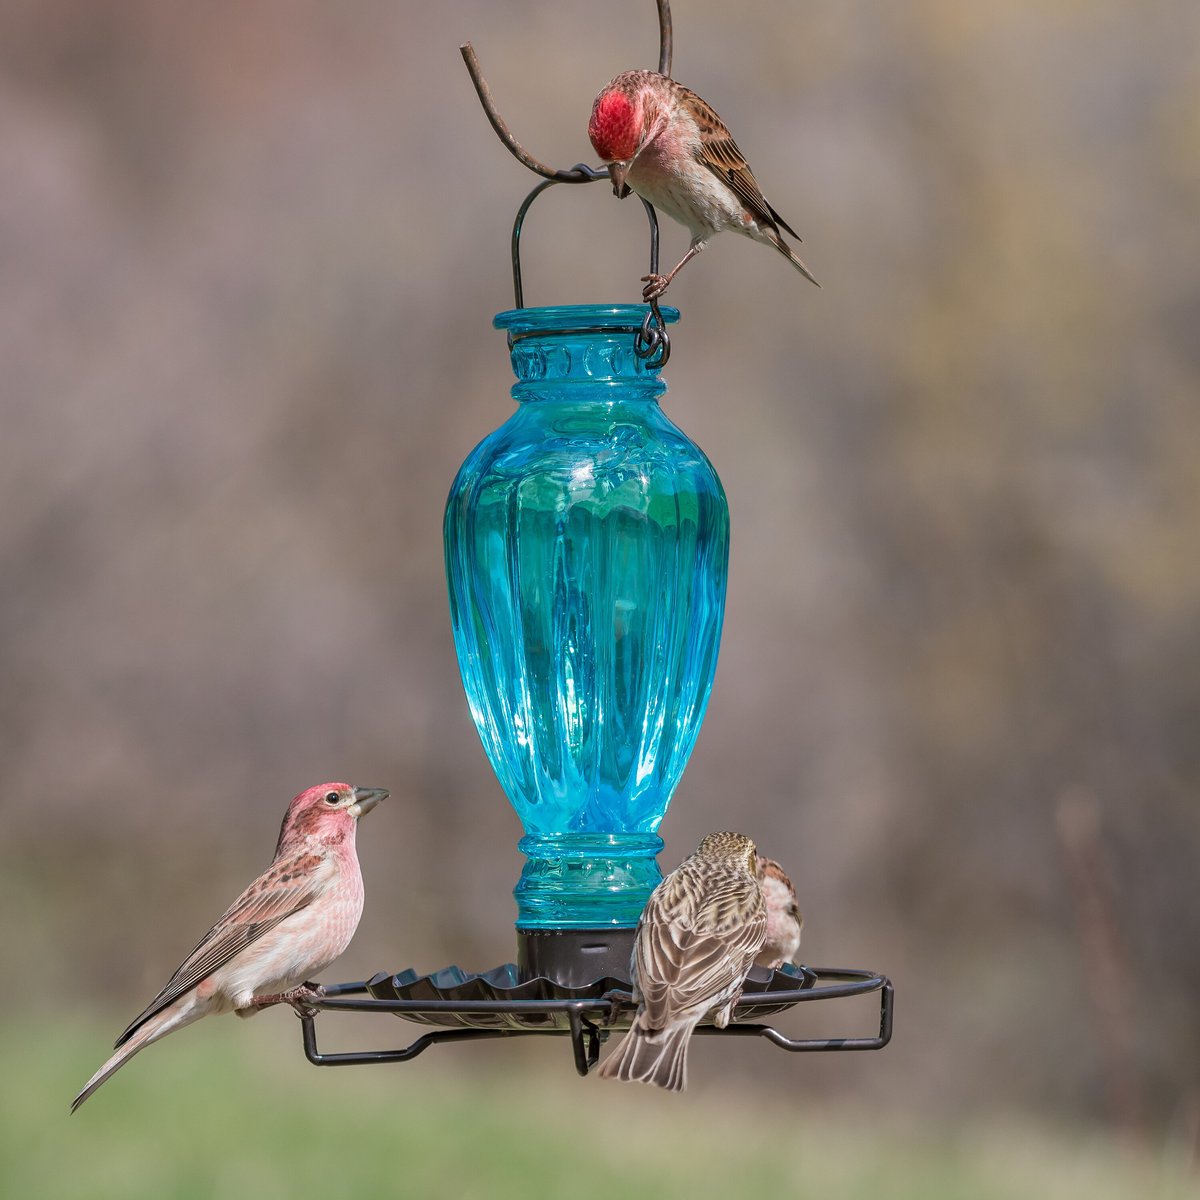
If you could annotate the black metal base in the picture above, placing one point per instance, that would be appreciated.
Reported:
(500, 1004)
(574, 958)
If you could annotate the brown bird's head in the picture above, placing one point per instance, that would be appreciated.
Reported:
(778, 890)
(328, 813)
(735, 848)
(784, 922)
(625, 116)
(768, 868)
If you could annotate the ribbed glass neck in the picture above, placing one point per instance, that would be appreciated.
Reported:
(561, 351)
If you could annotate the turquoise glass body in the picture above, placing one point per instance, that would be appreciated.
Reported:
(587, 544)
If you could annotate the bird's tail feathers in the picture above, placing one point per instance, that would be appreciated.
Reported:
(793, 257)
(183, 1012)
(657, 1056)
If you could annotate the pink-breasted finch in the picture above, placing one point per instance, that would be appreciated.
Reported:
(290, 923)
(697, 938)
(662, 141)
(784, 921)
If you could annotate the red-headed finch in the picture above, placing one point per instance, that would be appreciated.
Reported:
(289, 924)
(665, 143)
(697, 938)
(784, 921)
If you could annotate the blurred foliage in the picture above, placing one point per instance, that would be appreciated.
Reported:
(251, 254)
(230, 1112)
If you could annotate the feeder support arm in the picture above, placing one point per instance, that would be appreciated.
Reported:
(576, 174)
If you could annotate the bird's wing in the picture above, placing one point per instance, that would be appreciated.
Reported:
(288, 885)
(720, 154)
(695, 945)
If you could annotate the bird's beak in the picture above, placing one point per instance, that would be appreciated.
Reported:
(617, 172)
(365, 799)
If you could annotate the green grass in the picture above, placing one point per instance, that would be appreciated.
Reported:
(230, 1109)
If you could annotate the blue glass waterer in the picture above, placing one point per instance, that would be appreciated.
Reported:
(587, 544)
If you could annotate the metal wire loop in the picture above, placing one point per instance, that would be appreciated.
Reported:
(582, 173)
(652, 342)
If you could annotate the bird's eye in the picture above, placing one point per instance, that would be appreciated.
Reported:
(332, 797)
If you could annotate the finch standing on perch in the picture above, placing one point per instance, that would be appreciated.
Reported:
(665, 143)
(288, 925)
(698, 936)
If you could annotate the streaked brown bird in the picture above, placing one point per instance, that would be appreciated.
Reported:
(289, 924)
(698, 936)
(784, 921)
(665, 143)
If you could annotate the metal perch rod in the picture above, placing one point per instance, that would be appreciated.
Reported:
(576, 174)
(665, 40)
(589, 1019)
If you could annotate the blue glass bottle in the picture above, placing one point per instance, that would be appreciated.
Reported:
(587, 544)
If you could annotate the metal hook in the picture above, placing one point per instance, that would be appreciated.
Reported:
(576, 174)
(652, 343)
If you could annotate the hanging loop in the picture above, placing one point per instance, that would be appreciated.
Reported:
(580, 172)
(652, 342)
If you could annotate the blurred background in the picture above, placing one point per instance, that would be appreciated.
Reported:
(251, 254)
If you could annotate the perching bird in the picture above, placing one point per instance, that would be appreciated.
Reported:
(784, 921)
(697, 938)
(665, 143)
(289, 924)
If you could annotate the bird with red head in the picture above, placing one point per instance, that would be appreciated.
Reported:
(663, 142)
(288, 925)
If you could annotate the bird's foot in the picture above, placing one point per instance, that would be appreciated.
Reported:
(655, 286)
(616, 1000)
(299, 997)
(722, 1018)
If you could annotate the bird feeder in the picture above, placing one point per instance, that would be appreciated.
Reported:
(587, 544)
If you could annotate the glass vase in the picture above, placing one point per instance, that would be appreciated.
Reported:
(587, 544)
